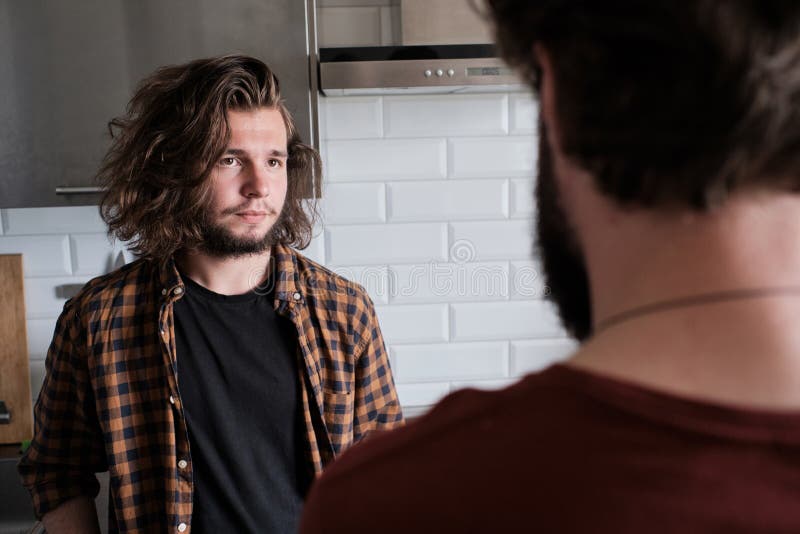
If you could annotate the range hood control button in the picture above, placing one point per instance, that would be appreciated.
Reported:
(428, 73)
(451, 72)
(439, 72)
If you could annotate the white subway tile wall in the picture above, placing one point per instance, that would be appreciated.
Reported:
(524, 115)
(448, 282)
(456, 171)
(493, 240)
(442, 200)
(475, 321)
(421, 394)
(529, 356)
(526, 280)
(379, 160)
(521, 199)
(45, 297)
(354, 118)
(427, 203)
(466, 115)
(91, 254)
(45, 255)
(69, 220)
(485, 157)
(386, 243)
(428, 323)
(354, 203)
(315, 251)
(453, 361)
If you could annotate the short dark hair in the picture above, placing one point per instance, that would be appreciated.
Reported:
(667, 103)
(156, 173)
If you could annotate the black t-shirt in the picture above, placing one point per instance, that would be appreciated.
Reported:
(238, 381)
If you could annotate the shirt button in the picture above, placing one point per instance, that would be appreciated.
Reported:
(297, 296)
(171, 399)
(182, 464)
(178, 290)
(182, 527)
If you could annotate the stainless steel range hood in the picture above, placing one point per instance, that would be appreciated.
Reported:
(436, 46)
(413, 69)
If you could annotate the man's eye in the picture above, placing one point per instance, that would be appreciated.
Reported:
(275, 163)
(227, 162)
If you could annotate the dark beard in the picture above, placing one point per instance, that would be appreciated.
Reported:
(562, 261)
(220, 243)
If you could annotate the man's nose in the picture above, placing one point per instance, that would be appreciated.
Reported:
(256, 183)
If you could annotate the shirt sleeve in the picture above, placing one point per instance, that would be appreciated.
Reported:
(376, 404)
(67, 446)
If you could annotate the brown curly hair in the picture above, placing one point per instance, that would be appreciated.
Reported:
(156, 172)
(667, 103)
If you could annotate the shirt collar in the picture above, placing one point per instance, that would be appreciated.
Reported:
(287, 276)
(170, 280)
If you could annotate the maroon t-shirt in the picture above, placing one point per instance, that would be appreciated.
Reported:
(568, 451)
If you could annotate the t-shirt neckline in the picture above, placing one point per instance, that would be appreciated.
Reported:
(704, 416)
(265, 289)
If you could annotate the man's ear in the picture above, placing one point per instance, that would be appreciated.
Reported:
(547, 95)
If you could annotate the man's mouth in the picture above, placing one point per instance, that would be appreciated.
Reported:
(251, 216)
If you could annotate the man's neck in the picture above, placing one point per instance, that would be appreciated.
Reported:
(226, 276)
(741, 350)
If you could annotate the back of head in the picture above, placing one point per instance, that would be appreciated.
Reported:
(669, 104)
(164, 147)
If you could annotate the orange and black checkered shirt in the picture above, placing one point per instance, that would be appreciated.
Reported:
(110, 397)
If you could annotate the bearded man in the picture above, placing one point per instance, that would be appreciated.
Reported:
(215, 376)
(668, 222)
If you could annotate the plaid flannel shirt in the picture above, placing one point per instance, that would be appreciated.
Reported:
(110, 397)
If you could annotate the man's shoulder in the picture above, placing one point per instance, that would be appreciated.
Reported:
(103, 291)
(469, 436)
(459, 422)
(323, 283)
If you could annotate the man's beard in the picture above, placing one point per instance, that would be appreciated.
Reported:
(220, 242)
(562, 261)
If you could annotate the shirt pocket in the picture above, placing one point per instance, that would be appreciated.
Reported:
(338, 408)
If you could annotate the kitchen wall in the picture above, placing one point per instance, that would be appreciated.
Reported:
(427, 202)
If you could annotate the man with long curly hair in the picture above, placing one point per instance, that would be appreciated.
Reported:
(668, 201)
(218, 373)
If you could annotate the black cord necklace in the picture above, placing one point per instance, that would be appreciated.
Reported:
(697, 300)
